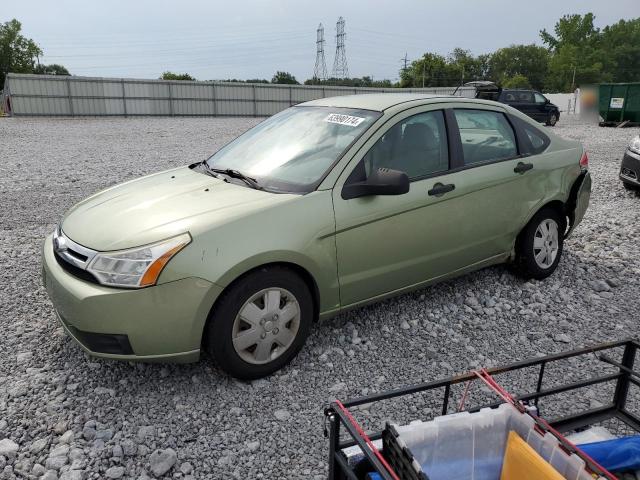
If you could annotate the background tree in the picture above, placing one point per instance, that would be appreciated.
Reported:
(576, 53)
(365, 81)
(517, 81)
(518, 61)
(53, 69)
(432, 70)
(17, 53)
(176, 76)
(620, 44)
(284, 78)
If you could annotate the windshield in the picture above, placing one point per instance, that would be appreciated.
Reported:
(292, 151)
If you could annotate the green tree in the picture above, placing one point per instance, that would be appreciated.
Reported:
(284, 78)
(620, 44)
(17, 53)
(517, 61)
(53, 69)
(432, 70)
(517, 81)
(465, 66)
(176, 76)
(577, 55)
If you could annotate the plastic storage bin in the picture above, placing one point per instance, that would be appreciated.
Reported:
(471, 446)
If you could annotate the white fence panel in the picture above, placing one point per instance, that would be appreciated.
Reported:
(58, 95)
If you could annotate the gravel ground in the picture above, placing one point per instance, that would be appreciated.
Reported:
(66, 415)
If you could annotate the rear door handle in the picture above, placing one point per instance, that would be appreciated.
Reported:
(439, 189)
(523, 167)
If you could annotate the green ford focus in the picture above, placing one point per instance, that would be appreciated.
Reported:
(326, 206)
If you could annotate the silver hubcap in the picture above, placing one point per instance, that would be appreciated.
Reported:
(266, 325)
(545, 243)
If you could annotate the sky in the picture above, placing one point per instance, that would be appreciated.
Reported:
(253, 38)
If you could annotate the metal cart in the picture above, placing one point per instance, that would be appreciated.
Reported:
(610, 364)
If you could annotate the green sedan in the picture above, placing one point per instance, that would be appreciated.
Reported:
(326, 206)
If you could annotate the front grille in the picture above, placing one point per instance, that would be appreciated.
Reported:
(77, 255)
(75, 271)
(625, 172)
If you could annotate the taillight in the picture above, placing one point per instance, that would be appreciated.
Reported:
(584, 160)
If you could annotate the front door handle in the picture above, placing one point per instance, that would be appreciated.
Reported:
(523, 167)
(439, 189)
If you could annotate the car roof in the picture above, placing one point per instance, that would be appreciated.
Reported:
(377, 101)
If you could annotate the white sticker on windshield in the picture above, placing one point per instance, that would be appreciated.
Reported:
(344, 119)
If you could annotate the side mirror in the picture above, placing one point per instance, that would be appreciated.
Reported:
(383, 181)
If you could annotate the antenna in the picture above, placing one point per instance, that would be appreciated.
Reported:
(320, 70)
(340, 68)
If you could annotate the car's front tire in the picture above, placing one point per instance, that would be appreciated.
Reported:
(552, 119)
(539, 245)
(630, 187)
(260, 323)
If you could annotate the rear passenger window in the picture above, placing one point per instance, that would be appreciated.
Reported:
(525, 97)
(533, 140)
(486, 136)
(416, 145)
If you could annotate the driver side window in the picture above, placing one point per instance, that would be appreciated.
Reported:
(416, 146)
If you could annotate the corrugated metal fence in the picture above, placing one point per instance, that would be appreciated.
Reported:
(78, 96)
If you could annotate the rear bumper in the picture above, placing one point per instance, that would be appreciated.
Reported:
(160, 323)
(630, 168)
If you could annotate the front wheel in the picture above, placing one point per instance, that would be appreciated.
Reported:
(260, 323)
(552, 119)
(539, 245)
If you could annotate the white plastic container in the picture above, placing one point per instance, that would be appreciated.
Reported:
(471, 446)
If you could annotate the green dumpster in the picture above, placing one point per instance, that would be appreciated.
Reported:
(618, 102)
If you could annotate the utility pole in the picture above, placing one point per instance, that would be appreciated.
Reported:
(405, 60)
(424, 67)
(320, 70)
(573, 80)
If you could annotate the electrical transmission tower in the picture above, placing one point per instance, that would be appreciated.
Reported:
(320, 71)
(340, 68)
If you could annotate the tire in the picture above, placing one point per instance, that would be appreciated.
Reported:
(531, 245)
(552, 119)
(630, 187)
(268, 336)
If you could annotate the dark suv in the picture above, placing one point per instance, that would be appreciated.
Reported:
(529, 102)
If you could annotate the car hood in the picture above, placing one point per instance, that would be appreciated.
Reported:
(160, 206)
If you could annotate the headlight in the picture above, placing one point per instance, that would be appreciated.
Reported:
(634, 145)
(136, 267)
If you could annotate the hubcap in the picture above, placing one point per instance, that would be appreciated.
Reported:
(545, 243)
(266, 325)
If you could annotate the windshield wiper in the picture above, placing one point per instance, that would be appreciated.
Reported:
(230, 172)
(209, 171)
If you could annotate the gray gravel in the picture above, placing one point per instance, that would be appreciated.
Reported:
(65, 415)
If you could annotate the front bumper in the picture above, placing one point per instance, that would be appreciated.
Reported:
(630, 168)
(160, 323)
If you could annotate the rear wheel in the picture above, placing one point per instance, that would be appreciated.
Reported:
(260, 323)
(552, 119)
(539, 246)
(630, 187)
